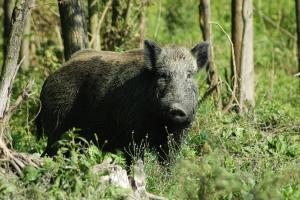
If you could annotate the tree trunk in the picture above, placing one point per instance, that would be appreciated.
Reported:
(247, 95)
(205, 18)
(298, 30)
(242, 36)
(25, 46)
(8, 6)
(73, 26)
(93, 6)
(237, 33)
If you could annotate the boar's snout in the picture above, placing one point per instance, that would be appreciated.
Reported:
(177, 115)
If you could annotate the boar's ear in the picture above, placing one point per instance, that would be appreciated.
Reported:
(201, 53)
(151, 52)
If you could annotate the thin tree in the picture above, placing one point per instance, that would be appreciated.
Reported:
(93, 6)
(298, 30)
(204, 19)
(73, 26)
(237, 32)
(7, 76)
(142, 23)
(242, 37)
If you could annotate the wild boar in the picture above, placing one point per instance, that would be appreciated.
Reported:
(123, 98)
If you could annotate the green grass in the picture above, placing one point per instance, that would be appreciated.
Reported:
(254, 156)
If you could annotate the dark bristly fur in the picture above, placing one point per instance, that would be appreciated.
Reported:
(123, 96)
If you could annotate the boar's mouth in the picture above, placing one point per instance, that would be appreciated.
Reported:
(176, 120)
(175, 125)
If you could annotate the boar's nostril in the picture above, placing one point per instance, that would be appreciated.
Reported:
(177, 112)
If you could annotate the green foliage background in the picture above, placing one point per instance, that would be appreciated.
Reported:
(255, 156)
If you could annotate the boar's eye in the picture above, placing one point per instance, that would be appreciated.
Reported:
(189, 75)
(163, 74)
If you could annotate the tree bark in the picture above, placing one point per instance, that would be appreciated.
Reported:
(73, 26)
(242, 37)
(8, 6)
(93, 24)
(298, 31)
(205, 18)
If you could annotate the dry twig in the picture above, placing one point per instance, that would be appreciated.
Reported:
(232, 97)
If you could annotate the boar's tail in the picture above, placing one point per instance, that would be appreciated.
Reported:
(39, 129)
